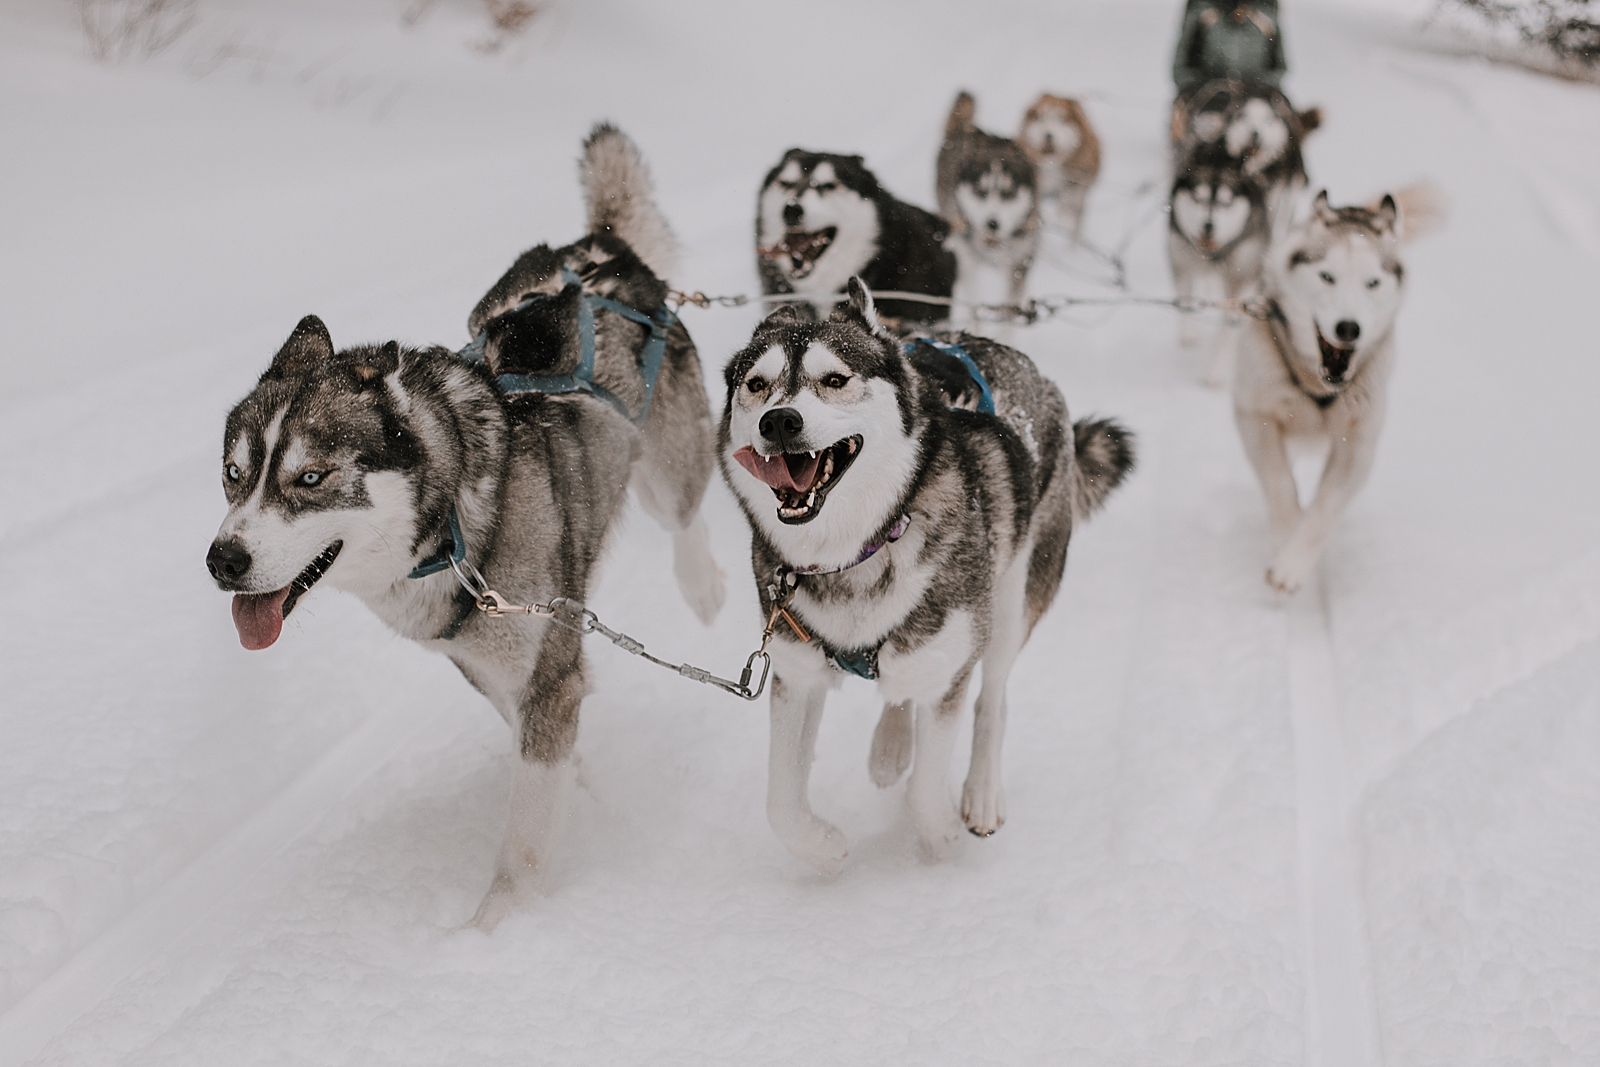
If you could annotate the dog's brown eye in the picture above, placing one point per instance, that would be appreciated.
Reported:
(826, 187)
(1373, 283)
(1326, 277)
(834, 381)
(756, 385)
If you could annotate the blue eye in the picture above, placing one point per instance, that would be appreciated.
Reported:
(309, 478)
(232, 471)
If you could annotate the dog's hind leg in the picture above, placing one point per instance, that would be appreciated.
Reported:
(671, 475)
(796, 714)
(542, 779)
(983, 798)
(891, 745)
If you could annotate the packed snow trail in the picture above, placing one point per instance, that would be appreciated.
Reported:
(1144, 905)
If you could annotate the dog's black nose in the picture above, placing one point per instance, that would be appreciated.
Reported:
(227, 561)
(793, 213)
(782, 425)
(994, 225)
(1208, 229)
(1347, 330)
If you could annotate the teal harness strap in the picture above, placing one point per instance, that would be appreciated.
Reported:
(453, 550)
(582, 380)
(985, 397)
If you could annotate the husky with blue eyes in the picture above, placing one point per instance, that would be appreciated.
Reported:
(1314, 365)
(910, 507)
(390, 472)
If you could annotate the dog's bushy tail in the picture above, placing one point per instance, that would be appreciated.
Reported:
(621, 198)
(1105, 457)
(963, 114)
(1424, 209)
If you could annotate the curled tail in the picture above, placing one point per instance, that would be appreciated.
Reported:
(1424, 209)
(1105, 457)
(621, 198)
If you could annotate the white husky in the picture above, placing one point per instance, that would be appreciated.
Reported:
(1315, 365)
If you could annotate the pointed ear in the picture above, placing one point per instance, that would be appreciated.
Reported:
(783, 314)
(1388, 215)
(375, 365)
(1321, 211)
(307, 347)
(861, 302)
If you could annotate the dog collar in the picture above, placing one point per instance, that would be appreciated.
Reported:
(787, 574)
(1278, 326)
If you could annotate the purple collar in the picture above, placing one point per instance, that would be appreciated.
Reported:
(868, 550)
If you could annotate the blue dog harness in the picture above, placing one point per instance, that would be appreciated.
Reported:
(453, 552)
(985, 397)
(582, 379)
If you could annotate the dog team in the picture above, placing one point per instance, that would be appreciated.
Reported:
(910, 488)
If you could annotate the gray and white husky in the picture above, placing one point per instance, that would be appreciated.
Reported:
(907, 537)
(1218, 229)
(1314, 368)
(363, 468)
(986, 191)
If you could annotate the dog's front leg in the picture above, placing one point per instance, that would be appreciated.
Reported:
(543, 777)
(933, 815)
(797, 701)
(1349, 463)
(1262, 437)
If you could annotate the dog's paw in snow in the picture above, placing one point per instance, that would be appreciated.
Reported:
(938, 838)
(891, 746)
(507, 894)
(701, 581)
(1289, 571)
(816, 841)
(983, 806)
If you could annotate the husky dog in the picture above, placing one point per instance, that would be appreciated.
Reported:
(1252, 123)
(1217, 231)
(822, 219)
(369, 468)
(1057, 136)
(987, 193)
(1315, 366)
(900, 535)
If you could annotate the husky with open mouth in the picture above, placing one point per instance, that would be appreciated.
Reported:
(823, 218)
(1058, 137)
(910, 508)
(987, 192)
(1314, 367)
(381, 469)
(1217, 234)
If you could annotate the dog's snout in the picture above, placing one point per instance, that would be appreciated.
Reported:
(227, 561)
(782, 425)
(1208, 229)
(793, 213)
(994, 225)
(1347, 330)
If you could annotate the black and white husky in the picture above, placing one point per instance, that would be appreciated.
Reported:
(822, 219)
(1314, 368)
(911, 520)
(987, 193)
(368, 468)
(1218, 229)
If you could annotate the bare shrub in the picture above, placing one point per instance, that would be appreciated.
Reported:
(1566, 31)
(126, 29)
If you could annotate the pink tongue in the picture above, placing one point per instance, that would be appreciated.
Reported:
(259, 618)
(774, 470)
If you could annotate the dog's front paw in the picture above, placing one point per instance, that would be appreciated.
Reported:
(818, 842)
(1289, 571)
(936, 839)
(983, 807)
(507, 894)
(701, 581)
(706, 596)
(891, 746)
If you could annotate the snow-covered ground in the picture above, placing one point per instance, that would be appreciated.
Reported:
(209, 856)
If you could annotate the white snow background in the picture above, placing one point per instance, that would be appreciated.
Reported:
(209, 856)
